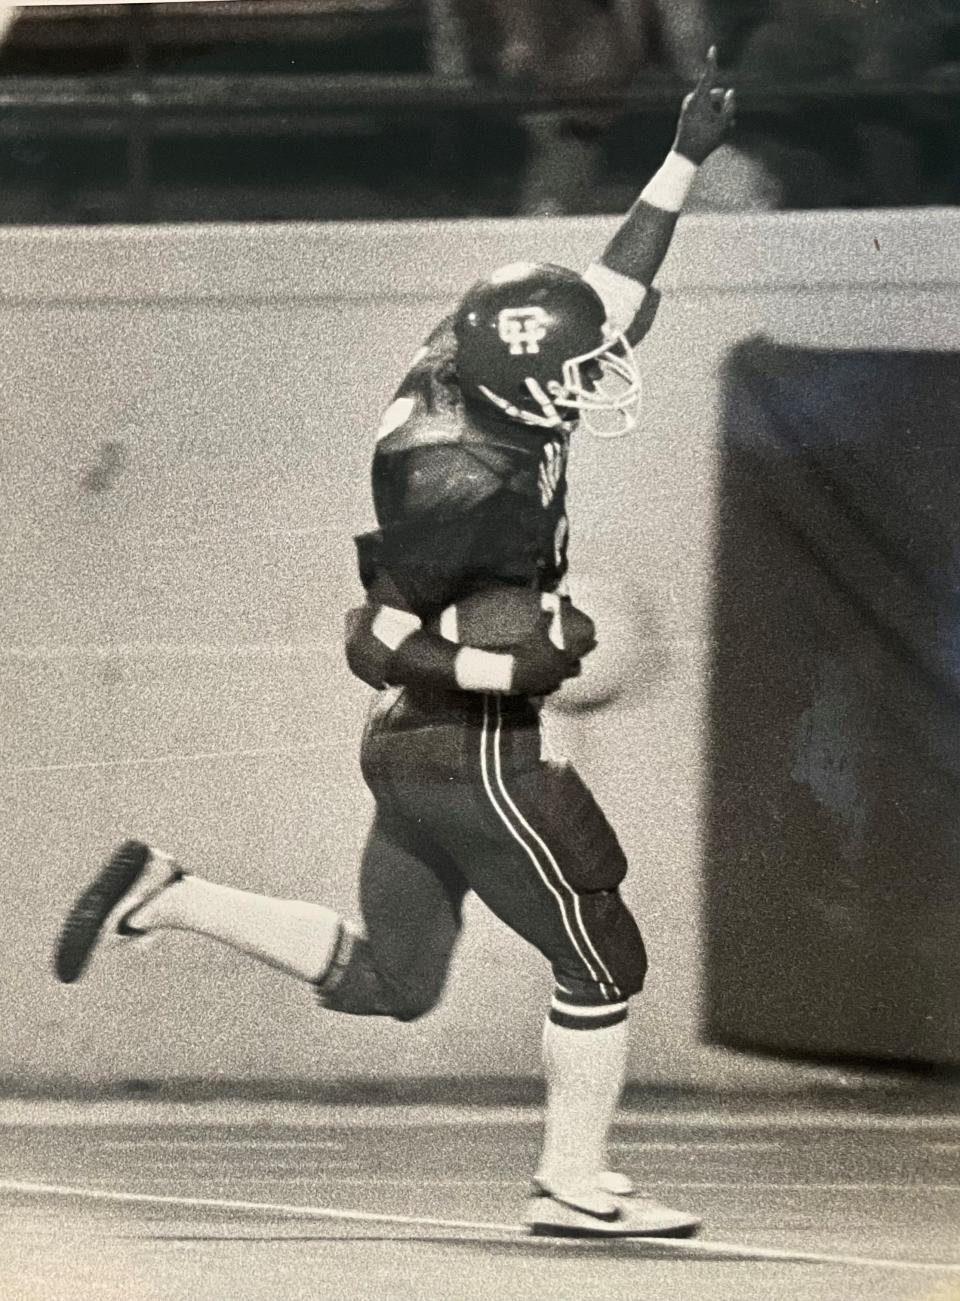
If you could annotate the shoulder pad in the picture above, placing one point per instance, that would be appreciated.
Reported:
(437, 351)
(431, 373)
(427, 408)
(407, 425)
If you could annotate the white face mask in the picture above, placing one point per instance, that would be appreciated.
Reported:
(608, 405)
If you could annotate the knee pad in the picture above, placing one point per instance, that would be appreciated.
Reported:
(617, 961)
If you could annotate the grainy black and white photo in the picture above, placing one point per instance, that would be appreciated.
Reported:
(480, 650)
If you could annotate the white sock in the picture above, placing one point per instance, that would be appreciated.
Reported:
(585, 1071)
(298, 938)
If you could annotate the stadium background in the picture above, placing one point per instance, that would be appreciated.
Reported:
(187, 414)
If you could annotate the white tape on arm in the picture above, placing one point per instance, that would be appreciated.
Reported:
(669, 188)
(392, 627)
(480, 670)
(621, 296)
(450, 624)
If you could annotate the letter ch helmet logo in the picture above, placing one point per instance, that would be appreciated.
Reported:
(522, 328)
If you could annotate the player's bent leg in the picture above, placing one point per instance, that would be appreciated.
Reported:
(411, 898)
(356, 985)
(411, 908)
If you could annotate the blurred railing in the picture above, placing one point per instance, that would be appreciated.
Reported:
(130, 79)
(223, 96)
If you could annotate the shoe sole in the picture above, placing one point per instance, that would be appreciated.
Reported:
(80, 932)
(569, 1231)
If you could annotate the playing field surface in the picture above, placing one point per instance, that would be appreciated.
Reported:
(236, 1202)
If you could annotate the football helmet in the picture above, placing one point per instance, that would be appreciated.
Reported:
(533, 339)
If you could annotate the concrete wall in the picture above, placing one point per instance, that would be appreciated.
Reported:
(187, 417)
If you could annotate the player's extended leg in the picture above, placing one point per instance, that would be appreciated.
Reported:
(414, 918)
(536, 848)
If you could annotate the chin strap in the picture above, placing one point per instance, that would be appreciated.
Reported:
(606, 422)
(550, 420)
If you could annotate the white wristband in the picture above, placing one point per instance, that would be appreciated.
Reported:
(480, 670)
(669, 188)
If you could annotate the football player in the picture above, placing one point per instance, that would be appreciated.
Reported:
(469, 482)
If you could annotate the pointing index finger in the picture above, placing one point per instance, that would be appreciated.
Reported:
(709, 74)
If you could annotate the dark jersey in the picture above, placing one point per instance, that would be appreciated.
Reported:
(464, 497)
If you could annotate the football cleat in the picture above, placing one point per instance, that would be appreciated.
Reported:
(601, 1213)
(132, 876)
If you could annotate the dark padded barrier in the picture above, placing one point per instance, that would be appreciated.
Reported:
(832, 872)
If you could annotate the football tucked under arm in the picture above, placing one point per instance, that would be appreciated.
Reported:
(502, 640)
(505, 616)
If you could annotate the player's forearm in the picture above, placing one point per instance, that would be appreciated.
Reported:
(640, 245)
(389, 647)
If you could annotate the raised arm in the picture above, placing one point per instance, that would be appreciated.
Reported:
(636, 252)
